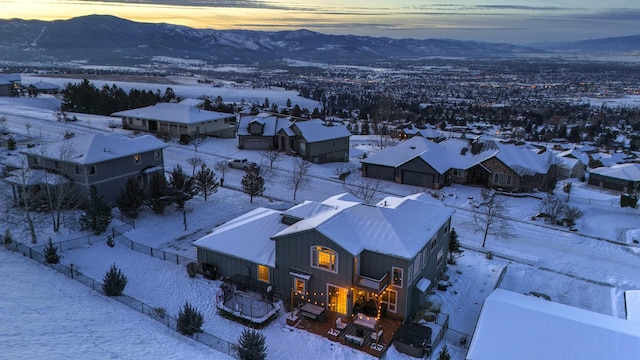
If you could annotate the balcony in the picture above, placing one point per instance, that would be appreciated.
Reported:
(375, 285)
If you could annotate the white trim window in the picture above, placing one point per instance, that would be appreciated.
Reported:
(440, 256)
(396, 278)
(324, 258)
(300, 286)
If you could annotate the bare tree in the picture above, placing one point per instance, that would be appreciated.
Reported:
(221, 167)
(490, 216)
(26, 198)
(552, 207)
(194, 162)
(197, 141)
(61, 195)
(343, 170)
(271, 157)
(365, 189)
(571, 214)
(299, 178)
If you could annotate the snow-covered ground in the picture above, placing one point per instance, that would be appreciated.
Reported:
(581, 269)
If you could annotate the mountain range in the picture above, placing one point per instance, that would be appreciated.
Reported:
(109, 40)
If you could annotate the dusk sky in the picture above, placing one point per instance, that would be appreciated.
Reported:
(514, 21)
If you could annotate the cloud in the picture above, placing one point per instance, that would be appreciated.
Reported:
(252, 4)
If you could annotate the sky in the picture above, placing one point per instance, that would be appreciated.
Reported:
(512, 21)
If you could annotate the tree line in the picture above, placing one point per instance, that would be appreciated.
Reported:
(85, 97)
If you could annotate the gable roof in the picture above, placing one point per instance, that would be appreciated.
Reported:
(316, 131)
(398, 227)
(521, 160)
(431, 152)
(629, 172)
(246, 237)
(272, 124)
(95, 148)
(176, 113)
(516, 326)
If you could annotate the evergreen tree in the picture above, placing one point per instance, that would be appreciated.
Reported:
(114, 282)
(131, 198)
(156, 192)
(444, 353)
(97, 216)
(205, 182)
(11, 143)
(181, 185)
(454, 244)
(251, 345)
(51, 253)
(253, 184)
(190, 320)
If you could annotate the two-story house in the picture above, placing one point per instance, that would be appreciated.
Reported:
(105, 161)
(316, 141)
(339, 253)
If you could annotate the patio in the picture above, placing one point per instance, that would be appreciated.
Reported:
(351, 334)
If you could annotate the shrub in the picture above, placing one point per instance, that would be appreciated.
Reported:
(110, 242)
(51, 253)
(251, 345)
(114, 282)
(190, 320)
(192, 269)
(7, 237)
(11, 144)
(159, 312)
(444, 353)
(630, 200)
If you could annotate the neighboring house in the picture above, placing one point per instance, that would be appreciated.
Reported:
(424, 163)
(517, 326)
(42, 87)
(409, 131)
(105, 161)
(339, 253)
(178, 119)
(572, 164)
(619, 177)
(417, 161)
(259, 132)
(10, 84)
(315, 141)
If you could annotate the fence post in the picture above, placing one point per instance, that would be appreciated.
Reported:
(71, 267)
(150, 248)
(30, 255)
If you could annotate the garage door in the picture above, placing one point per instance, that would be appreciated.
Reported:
(417, 179)
(256, 144)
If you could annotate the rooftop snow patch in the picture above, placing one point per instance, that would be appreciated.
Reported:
(175, 113)
(629, 172)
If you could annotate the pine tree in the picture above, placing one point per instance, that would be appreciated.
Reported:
(11, 143)
(98, 213)
(253, 184)
(131, 198)
(51, 253)
(181, 186)
(114, 282)
(444, 353)
(205, 182)
(251, 345)
(156, 192)
(454, 244)
(190, 320)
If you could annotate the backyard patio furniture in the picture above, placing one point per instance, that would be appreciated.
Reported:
(340, 324)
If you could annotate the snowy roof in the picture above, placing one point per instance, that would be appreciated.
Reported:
(192, 102)
(573, 153)
(95, 148)
(429, 132)
(401, 228)
(272, 124)
(522, 160)
(459, 161)
(247, 237)
(516, 326)
(429, 151)
(34, 177)
(629, 172)
(41, 85)
(315, 130)
(176, 113)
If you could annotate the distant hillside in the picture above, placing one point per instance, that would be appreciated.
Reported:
(108, 40)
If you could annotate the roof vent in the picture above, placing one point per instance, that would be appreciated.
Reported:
(413, 147)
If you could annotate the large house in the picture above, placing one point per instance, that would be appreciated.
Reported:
(421, 162)
(105, 161)
(619, 177)
(313, 140)
(176, 119)
(10, 84)
(517, 326)
(339, 254)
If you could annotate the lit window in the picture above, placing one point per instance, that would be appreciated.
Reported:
(300, 286)
(397, 277)
(136, 159)
(390, 297)
(263, 273)
(324, 258)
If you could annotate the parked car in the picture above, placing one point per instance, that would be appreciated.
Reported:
(242, 164)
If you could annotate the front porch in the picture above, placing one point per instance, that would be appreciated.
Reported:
(354, 335)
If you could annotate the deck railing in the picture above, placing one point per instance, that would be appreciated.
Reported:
(376, 285)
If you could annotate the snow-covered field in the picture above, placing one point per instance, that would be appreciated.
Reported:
(49, 311)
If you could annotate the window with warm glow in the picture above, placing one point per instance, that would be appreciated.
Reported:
(263, 273)
(136, 159)
(390, 297)
(300, 286)
(324, 258)
(397, 277)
